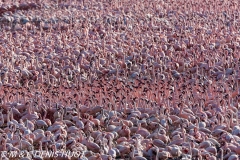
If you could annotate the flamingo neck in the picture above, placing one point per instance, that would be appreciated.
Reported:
(54, 148)
(29, 109)
(181, 110)
(133, 152)
(110, 144)
(27, 123)
(11, 115)
(46, 147)
(139, 127)
(40, 146)
(231, 120)
(62, 115)
(8, 116)
(221, 156)
(17, 97)
(184, 137)
(45, 115)
(204, 138)
(197, 123)
(4, 145)
(80, 138)
(20, 143)
(237, 119)
(4, 101)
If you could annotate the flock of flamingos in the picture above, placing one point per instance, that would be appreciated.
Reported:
(120, 79)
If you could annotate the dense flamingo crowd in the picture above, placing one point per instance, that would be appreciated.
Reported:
(120, 79)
